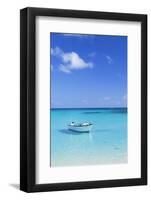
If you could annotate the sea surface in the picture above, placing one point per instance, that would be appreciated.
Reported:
(105, 144)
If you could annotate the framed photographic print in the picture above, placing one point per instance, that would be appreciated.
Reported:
(83, 95)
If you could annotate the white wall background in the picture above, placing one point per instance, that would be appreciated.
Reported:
(9, 98)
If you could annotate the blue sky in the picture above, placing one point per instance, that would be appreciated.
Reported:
(88, 71)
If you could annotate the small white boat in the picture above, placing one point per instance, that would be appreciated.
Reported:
(80, 127)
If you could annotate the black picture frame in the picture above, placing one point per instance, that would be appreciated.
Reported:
(28, 99)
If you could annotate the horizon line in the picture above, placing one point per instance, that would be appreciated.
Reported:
(86, 108)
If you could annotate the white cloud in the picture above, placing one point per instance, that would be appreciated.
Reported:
(74, 61)
(56, 51)
(70, 60)
(64, 68)
(109, 59)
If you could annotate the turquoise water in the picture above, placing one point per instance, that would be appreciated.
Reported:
(105, 144)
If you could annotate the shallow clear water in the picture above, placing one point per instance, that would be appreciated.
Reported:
(105, 144)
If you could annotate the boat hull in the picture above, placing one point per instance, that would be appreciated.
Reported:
(80, 129)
